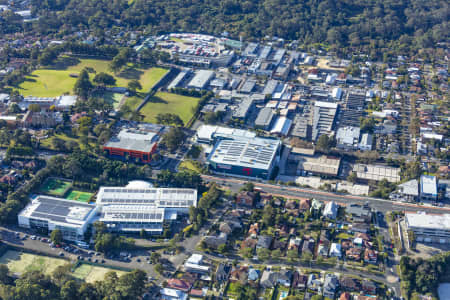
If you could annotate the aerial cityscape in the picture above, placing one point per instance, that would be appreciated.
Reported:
(227, 149)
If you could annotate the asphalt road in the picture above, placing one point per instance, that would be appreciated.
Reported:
(382, 205)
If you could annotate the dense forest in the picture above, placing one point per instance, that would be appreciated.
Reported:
(374, 26)
(421, 276)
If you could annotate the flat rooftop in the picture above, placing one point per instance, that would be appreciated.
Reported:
(209, 132)
(135, 213)
(246, 152)
(425, 221)
(157, 197)
(133, 140)
(321, 164)
(376, 172)
(428, 184)
(58, 210)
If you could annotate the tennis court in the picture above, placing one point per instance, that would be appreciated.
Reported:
(54, 186)
(79, 196)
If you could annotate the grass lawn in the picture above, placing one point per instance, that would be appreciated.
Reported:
(91, 274)
(22, 262)
(55, 80)
(163, 102)
(47, 143)
(187, 164)
(133, 102)
(55, 186)
(79, 196)
(344, 236)
(113, 98)
(232, 289)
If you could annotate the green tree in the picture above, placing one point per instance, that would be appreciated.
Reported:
(56, 236)
(104, 79)
(263, 253)
(324, 143)
(83, 85)
(159, 268)
(134, 85)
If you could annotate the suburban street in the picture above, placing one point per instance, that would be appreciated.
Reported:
(382, 205)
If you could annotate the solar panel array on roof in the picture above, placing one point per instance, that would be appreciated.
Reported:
(256, 152)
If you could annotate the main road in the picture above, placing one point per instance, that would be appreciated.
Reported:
(382, 205)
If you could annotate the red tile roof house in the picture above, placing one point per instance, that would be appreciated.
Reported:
(345, 296)
(239, 274)
(196, 293)
(245, 198)
(179, 284)
(353, 254)
(370, 256)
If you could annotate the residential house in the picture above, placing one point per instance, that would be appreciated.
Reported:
(249, 243)
(322, 250)
(254, 230)
(215, 242)
(291, 204)
(245, 198)
(299, 280)
(294, 243)
(277, 244)
(239, 274)
(359, 213)
(370, 256)
(172, 294)
(345, 296)
(222, 272)
(305, 205)
(270, 279)
(330, 211)
(335, 250)
(350, 284)
(330, 286)
(253, 276)
(316, 207)
(353, 254)
(364, 297)
(314, 282)
(308, 246)
(225, 228)
(197, 293)
(360, 227)
(264, 241)
(178, 284)
(369, 287)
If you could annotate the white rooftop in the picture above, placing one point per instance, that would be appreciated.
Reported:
(158, 197)
(208, 132)
(428, 185)
(326, 104)
(423, 220)
(246, 152)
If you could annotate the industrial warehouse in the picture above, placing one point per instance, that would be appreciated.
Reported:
(122, 209)
(243, 156)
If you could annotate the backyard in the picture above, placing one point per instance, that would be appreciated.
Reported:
(163, 102)
(57, 80)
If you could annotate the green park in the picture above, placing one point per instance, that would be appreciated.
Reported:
(60, 78)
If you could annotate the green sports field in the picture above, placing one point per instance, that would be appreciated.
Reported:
(113, 98)
(91, 274)
(79, 196)
(20, 263)
(163, 102)
(54, 186)
(55, 81)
